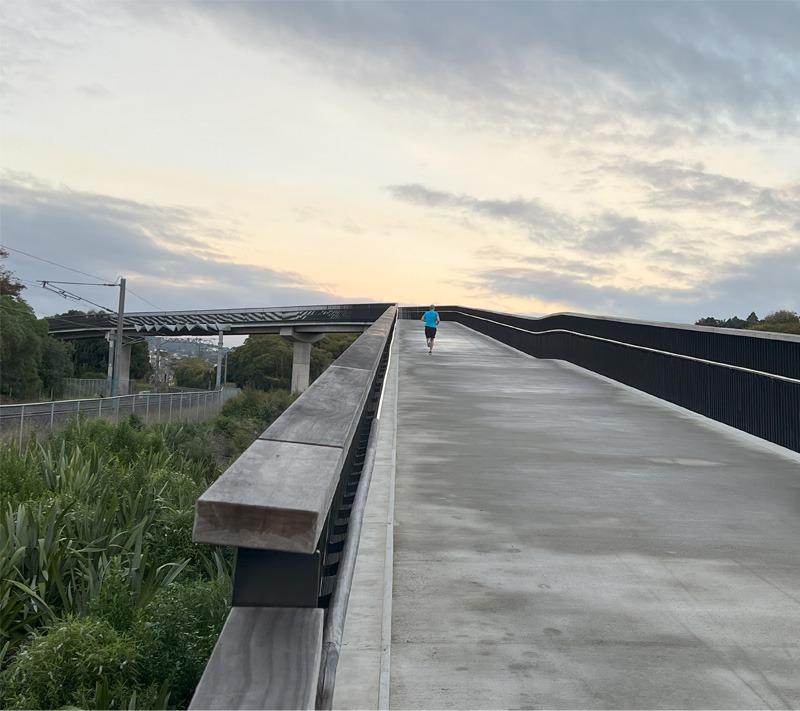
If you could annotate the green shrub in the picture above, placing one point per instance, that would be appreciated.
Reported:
(274, 405)
(20, 480)
(169, 537)
(64, 665)
(179, 630)
(96, 554)
(246, 416)
(116, 602)
(236, 434)
(251, 404)
(244, 405)
(192, 441)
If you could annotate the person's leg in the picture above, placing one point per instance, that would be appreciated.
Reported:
(430, 345)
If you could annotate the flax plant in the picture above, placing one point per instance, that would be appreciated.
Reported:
(105, 601)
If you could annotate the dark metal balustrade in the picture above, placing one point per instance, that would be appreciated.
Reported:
(746, 379)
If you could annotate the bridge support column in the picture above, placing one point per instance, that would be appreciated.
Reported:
(301, 360)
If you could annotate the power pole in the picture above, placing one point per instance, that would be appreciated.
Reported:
(118, 340)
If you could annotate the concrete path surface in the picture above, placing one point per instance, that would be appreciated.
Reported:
(557, 540)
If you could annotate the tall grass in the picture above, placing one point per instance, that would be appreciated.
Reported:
(105, 601)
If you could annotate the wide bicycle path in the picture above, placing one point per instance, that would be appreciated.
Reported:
(541, 537)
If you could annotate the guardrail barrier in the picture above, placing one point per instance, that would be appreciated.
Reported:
(749, 380)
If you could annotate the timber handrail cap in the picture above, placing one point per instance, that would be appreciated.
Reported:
(275, 497)
(265, 658)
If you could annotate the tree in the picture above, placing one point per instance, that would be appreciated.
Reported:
(91, 354)
(9, 284)
(29, 358)
(194, 373)
(91, 357)
(21, 345)
(140, 360)
(56, 365)
(732, 322)
(709, 321)
(324, 352)
(780, 322)
(262, 362)
(265, 362)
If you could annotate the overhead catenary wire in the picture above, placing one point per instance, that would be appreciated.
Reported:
(55, 264)
(48, 286)
(78, 271)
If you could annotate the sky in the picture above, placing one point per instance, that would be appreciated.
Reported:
(636, 160)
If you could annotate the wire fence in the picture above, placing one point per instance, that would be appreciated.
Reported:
(87, 387)
(20, 421)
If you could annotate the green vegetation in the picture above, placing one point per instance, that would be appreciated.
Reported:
(195, 373)
(778, 322)
(90, 355)
(105, 601)
(265, 362)
(31, 361)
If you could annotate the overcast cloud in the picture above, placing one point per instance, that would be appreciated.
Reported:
(162, 251)
(639, 159)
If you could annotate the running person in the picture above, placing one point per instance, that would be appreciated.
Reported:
(431, 319)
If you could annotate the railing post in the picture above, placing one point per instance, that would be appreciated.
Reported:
(21, 423)
(265, 578)
(52, 413)
(147, 410)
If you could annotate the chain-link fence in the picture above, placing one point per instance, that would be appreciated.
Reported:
(87, 387)
(20, 420)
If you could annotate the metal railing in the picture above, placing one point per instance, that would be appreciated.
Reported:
(20, 420)
(749, 380)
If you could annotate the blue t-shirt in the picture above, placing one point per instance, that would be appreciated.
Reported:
(430, 318)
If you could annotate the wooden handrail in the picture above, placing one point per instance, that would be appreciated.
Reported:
(276, 497)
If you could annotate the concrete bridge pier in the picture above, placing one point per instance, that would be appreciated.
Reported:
(301, 360)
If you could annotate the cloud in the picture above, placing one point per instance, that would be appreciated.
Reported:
(541, 223)
(690, 68)
(615, 232)
(765, 283)
(167, 253)
(607, 232)
(95, 91)
(38, 36)
(670, 185)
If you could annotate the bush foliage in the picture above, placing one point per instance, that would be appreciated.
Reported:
(105, 601)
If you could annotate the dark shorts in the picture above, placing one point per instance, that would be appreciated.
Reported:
(430, 332)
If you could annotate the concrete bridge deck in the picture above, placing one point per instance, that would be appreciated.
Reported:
(540, 537)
